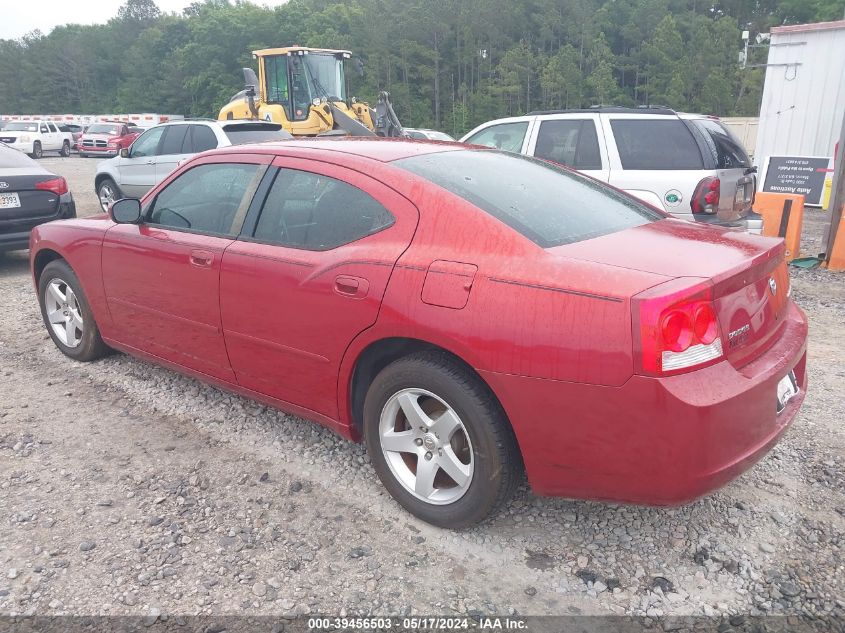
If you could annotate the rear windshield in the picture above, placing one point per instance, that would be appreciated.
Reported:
(656, 144)
(240, 134)
(726, 148)
(546, 203)
(12, 158)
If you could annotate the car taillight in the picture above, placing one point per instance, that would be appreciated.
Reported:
(706, 196)
(676, 328)
(56, 185)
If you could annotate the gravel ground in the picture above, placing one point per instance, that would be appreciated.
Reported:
(129, 489)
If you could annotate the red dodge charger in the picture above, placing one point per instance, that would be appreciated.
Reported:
(466, 312)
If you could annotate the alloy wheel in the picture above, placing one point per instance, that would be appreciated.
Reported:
(106, 196)
(426, 446)
(63, 313)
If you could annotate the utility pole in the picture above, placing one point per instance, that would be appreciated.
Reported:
(837, 194)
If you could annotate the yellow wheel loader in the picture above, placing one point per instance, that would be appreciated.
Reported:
(305, 90)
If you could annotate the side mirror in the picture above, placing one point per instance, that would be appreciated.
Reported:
(126, 211)
(124, 152)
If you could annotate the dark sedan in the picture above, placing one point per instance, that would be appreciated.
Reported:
(29, 195)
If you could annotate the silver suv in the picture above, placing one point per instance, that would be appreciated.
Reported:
(158, 151)
(689, 165)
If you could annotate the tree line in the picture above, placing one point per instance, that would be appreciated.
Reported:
(448, 64)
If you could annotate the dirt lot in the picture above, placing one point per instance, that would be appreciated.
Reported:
(128, 489)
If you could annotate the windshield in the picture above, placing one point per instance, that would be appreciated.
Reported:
(546, 203)
(325, 74)
(102, 128)
(22, 126)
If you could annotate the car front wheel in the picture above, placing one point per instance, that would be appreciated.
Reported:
(67, 315)
(107, 192)
(439, 442)
(65, 149)
(37, 152)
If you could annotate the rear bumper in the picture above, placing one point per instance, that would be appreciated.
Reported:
(751, 222)
(657, 441)
(15, 235)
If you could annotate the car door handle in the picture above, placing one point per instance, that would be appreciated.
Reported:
(204, 259)
(349, 286)
(150, 162)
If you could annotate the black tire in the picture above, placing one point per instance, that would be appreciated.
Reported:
(37, 152)
(108, 183)
(91, 346)
(497, 462)
(81, 155)
(65, 151)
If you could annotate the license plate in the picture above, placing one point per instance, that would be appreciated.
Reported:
(9, 201)
(787, 390)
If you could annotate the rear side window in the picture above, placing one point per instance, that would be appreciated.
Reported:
(202, 138)
(725, 147)
(571, 142)
(506, 136)
(656, 144)
(174, 137)
(546, 203)
(316, 213)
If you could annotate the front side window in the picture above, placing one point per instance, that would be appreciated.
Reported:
(506, 136)
(208, 198)
(147, 143)
(313, 212)
(663, 143)
(570, 142)
(546, 203)
(276, 69)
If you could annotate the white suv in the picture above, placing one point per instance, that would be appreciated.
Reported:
(36, 137)
(689, 165)
(158, 151)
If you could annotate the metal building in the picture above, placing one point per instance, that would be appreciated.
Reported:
(804, 92)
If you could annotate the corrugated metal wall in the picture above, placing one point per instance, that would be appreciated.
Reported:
(802, 108)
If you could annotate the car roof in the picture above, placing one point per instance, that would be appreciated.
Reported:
(380, 149)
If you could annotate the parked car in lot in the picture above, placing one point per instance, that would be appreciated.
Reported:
(425, 134)
(76, 131)
(465, 311)
(106, 139)
(689, 165)
(160, 149)
(29, 195)
(36, 137)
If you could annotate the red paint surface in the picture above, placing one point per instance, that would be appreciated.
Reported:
(552, 332)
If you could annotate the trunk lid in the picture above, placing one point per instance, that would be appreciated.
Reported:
(750, 282)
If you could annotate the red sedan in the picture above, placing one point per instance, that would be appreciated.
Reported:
(464, 311)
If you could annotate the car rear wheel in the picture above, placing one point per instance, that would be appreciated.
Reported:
(37, 152)
(107, 192)
(439, 442)
(65, 149)
(67, 315)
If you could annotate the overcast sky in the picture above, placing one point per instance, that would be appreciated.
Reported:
(19, 18)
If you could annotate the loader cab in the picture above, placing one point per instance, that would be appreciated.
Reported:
(297, 78)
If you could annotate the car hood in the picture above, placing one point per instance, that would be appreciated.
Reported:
(675, 248)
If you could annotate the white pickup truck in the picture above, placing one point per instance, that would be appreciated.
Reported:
(36, 137)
